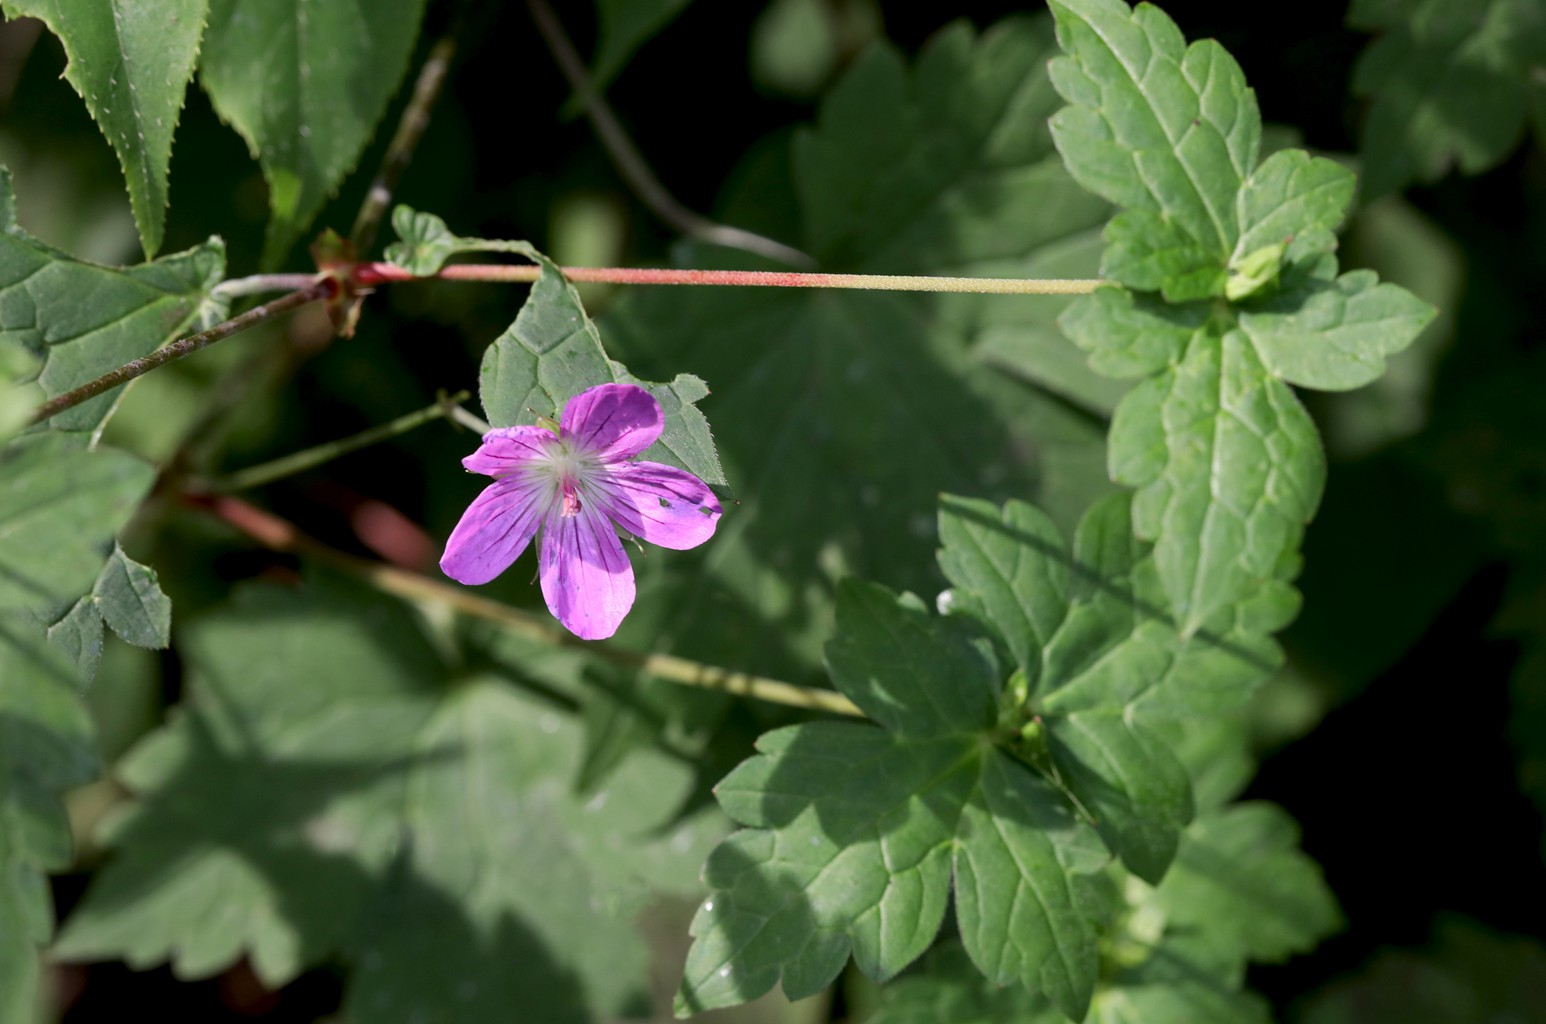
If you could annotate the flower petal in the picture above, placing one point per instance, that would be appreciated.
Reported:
(661, 504)
(505, 449)
(586, 578)
(494, 530)
(614, 421)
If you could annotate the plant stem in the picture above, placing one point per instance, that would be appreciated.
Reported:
(410, 128)
(257, 284)
(281, 535)
(315, 292)
(376, 273)
(267, 472)
(632, 166)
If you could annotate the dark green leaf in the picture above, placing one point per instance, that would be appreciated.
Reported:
(1467, 973)
(1449, 81)
(304, 84)
(131, 312)
(1241, 882)
(129, 597)
(1012, 571)
(625, 24)
(59, 509)
(131, 64)
(916, 674)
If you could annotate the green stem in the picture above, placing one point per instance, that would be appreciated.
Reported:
(410, 128)
(315, 292)
(267, 472)
(377, 273)
(281, 535)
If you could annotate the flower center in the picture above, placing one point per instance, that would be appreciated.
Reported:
(569, 473)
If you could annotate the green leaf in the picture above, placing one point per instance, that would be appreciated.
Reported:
(131, 64)
(1449, 82)
(1131, 335)
(1242, 884)
(131, 313)
(1468, 972)
(854, 832)
(19, 366)
(853, 411)
(1153, 124)
(129, 598)
(320, 819)
(1011, 569)
(1334, 335)
(1228, 468)
(1138, 793)
(915, 674)
(304, 84)
(1146, 251)
(426, 243)
(1294, 200)
(59, 509)
(553, 352)
(46, 746)
(946, 986)
(624, 26)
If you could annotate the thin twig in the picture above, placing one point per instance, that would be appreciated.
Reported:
(631, 164)
(289, 465)
(316, 292)
(377, 273)
(281, 535)
(410, 128)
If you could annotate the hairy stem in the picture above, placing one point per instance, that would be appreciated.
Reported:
(281, 535)
(631, 164)
(377, 273)
(315, 292)
(410, 128)
(289, 465)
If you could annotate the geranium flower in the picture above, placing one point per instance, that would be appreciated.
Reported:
(570, 487)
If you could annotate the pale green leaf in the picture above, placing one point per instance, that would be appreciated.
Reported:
(79, 634)
(129, 597)
(1146, 251)
(1228, 468)
(1295, 200)
(1335, 335)
(131, 63)
(19, 396)
(1129, 335)
(304, 84)
(553, 351)
(425, 243)
(131, 313)
(1153, 124)
(1449, 82)
(59, 509)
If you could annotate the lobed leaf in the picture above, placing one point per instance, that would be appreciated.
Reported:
(130, 312)
(854, 833)
(1449, 83)
(289, 822)
(131, 64)
(59, 509)
(425, 243)
(129, 598)
(1227, 464)
(304, 85)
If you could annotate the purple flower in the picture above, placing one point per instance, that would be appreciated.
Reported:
(571, 487)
